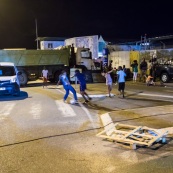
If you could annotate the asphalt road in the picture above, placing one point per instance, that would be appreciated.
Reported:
(40, 133)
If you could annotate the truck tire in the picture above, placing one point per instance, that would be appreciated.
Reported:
(23, 78)
(165, 77)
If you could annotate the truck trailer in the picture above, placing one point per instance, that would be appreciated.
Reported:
(31, 62)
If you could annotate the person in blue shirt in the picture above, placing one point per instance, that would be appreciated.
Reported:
(121, 80)
(82, 83)
(67, 86)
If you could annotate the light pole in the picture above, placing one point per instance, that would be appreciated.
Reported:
(36, 32)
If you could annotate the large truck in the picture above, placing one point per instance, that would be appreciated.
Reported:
(31, 62)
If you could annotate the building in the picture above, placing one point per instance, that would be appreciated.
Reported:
(50, 43)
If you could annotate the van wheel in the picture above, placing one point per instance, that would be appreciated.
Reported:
(23, 78)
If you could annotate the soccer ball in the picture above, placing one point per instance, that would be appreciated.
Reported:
(72, 101)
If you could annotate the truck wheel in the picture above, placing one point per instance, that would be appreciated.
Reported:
(23, 78)
(164, 77)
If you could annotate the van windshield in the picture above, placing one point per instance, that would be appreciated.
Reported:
(7, 71)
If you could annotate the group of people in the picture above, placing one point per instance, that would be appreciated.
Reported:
(148, 79)
(66, 84)
(68, 87)
(114, 75)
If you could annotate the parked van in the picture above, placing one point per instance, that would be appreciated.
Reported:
(9, 79)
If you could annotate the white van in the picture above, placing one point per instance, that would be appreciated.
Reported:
(9, 79)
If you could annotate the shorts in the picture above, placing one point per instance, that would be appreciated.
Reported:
(108, 83)
(44, 79)
(82, 87)
(121, 86)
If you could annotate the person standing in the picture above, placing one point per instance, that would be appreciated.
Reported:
(134, 66)
(121, 80)
(45, 74)
(106, 74)
(143, 68)
(67, 86)
(110, 69)
(124, 69)
(82, 83)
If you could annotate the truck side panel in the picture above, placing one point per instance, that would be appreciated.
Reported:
(31, 62)
(35, 57)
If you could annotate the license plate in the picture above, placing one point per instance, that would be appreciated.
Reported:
(3, 88)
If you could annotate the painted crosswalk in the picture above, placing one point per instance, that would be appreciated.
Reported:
(35, 110)
(65, 109)
(6, 109)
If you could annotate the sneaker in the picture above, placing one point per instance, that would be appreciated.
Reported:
(86, 101)
(76, 102)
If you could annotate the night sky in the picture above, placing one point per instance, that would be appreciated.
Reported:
(116, 21)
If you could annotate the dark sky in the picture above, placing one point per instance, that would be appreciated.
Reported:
(115, 20)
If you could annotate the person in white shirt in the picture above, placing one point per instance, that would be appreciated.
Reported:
(45, 74)
(106, 74)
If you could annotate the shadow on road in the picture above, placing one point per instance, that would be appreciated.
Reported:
(23, 95)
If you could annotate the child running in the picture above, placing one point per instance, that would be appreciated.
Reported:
(106, 74)
(82, 83)
(67, 86)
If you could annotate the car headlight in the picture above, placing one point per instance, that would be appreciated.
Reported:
(13, 80)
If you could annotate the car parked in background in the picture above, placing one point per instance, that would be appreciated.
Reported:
(9, 79)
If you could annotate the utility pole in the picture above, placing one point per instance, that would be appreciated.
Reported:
(36, 33)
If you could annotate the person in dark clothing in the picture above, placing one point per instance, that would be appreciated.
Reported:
(110, 68)
(143, 68)
(124, 69)
(82, 83)
(134, 66)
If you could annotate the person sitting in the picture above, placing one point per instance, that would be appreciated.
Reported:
(149, 80)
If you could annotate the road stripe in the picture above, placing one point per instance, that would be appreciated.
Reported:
(35, 110)
(84, 109)
(65, 109)
(155, 95)
(6, 109)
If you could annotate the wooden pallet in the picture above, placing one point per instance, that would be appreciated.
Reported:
(129, 135)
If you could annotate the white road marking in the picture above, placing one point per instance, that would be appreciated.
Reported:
(65, 108)
(35, 110)
(155, 95)
(84, 109)
(169, 129)
(132, 158)
(6, 109)
(129, 156)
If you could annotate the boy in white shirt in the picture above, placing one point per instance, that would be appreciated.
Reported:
(45, 76)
